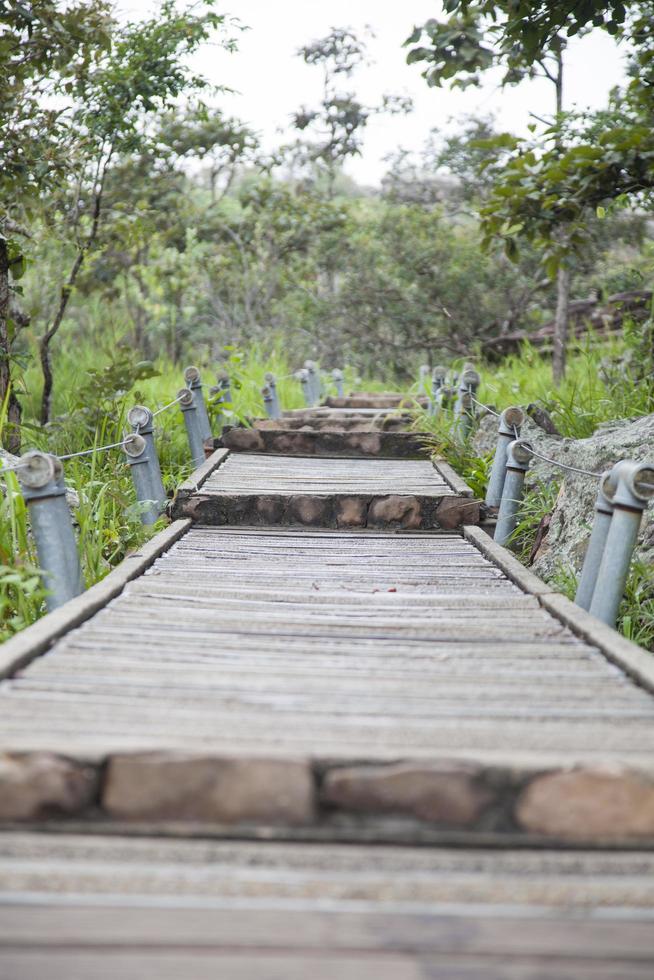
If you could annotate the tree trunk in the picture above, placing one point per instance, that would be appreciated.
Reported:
(7, 393)
(64, 297)
(561, 324)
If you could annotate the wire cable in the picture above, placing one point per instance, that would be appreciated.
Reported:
(164, 408)
(96, 449)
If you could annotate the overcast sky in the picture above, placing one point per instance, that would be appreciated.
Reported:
(271, 81)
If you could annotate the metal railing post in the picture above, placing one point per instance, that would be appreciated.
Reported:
(468, 384)
(444, 398)
(41, 477)
(314, 382)
(509, 425)
(193, 433)
(194, 382)
(268, 402)
(225, 388)
(271, 383)
(635, 488)
(597, 540)
(143, 476)
(423, 373)
(303, 377)
(438, 376)
(518, 457)
(142, 421)
(337, 378)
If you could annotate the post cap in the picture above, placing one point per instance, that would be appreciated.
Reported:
(310, 365)
(424, 369)
(270, 377)
(185, 397)
(191, 374)
(38, 469)
(302, 375)
(635, 484)
(134, 445)
(337, 374)
(519, 453)
(139, 416)
(470, 377)
(222, 378)
(439, 372)
(513, 417)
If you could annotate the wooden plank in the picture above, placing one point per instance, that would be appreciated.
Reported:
(20, 650)
(199, 476)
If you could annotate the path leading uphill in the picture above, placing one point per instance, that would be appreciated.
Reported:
(323, 726)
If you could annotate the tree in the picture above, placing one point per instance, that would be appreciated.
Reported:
(223, 142)
(553, 183)
(459, 53)
(44, 50)
(335, 128)
(143, 72)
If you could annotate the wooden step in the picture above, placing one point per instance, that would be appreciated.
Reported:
(332, 686)
(99, 907)
(250, 488)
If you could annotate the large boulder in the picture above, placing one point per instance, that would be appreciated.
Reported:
(564, 545)
(567, 538)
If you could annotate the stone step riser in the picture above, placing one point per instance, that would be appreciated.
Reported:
(408, 512)
(578, 805)
(323, 442)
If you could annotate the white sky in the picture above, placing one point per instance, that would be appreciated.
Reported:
(271, 81)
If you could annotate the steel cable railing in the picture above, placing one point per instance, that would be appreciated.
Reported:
(625, 490)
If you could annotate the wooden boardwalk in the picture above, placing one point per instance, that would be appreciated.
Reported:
(287, 748)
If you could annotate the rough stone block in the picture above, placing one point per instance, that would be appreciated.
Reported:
(313, 511)
(443, 793)
(351, 512)
(270, 509)
(171, 786)
(296, 442)
(244, 440)
(453, 512)
(588, 803)
(366, 443)
(394, 509)
(40, 784)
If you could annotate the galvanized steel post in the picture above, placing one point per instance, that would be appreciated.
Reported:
(225, 388)
(423, 373)
(194, 382)
(140, 467)
(43, 486)
(303, 377)
(314, 382)
(635, 488)
(518, 457)
(468, 384)
(271, 383)
(268, 402)
(510, 422)
(597, 541)
(142, 421)
(337, 378)
(438, 376)
(193, 433)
